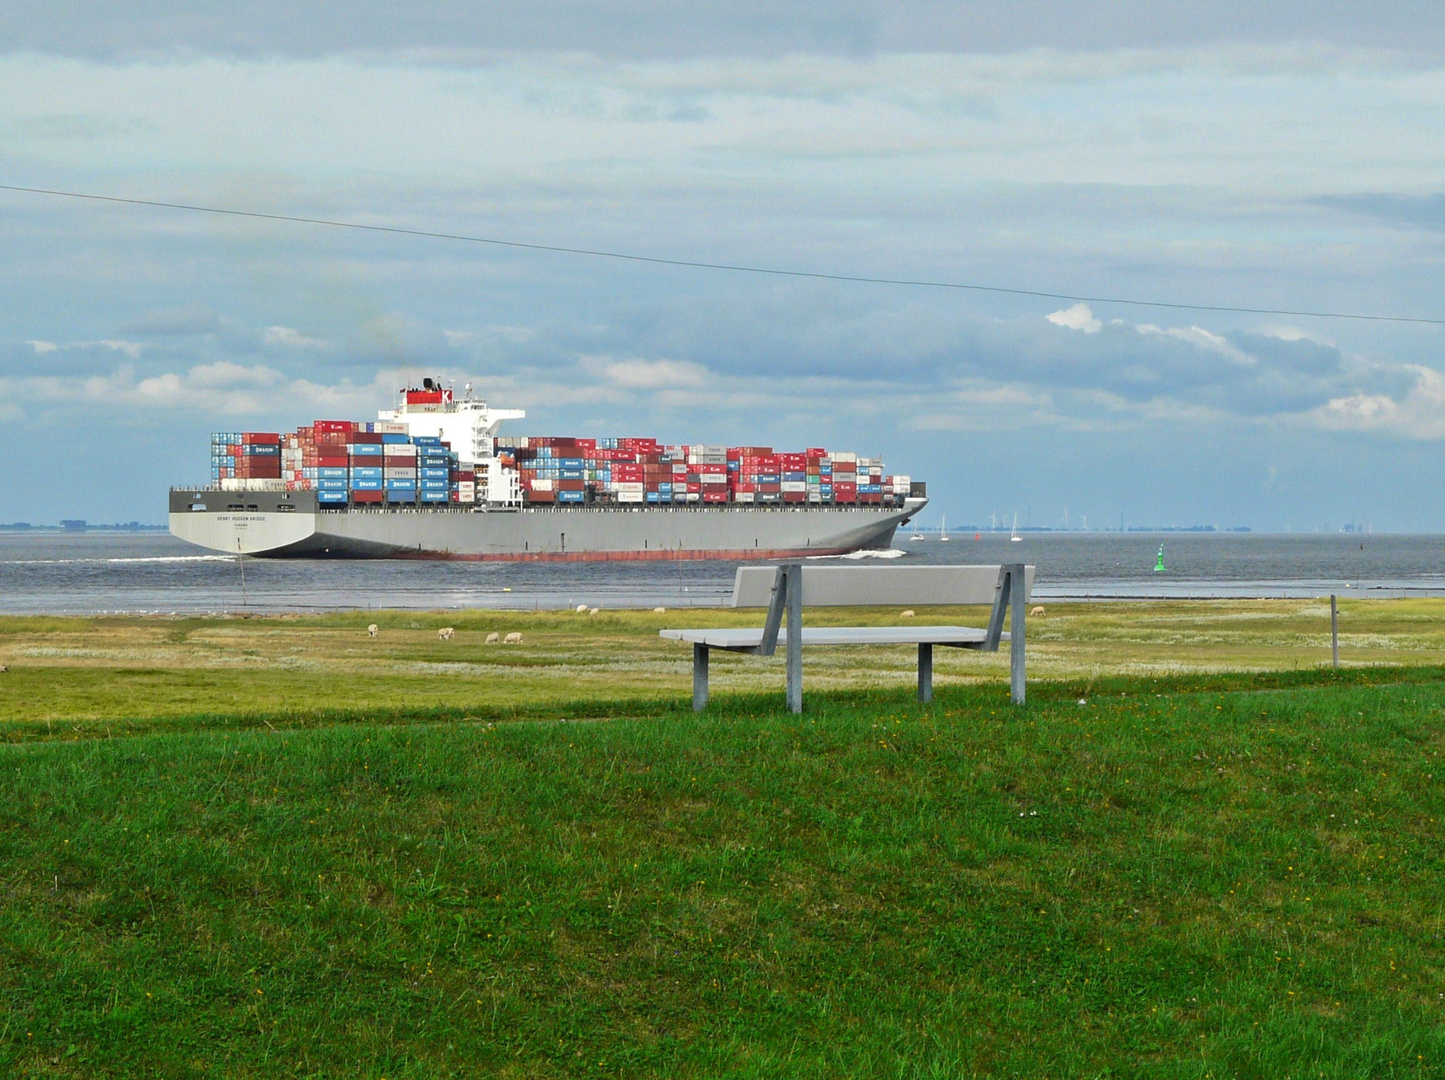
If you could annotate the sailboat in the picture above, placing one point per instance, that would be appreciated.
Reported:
(942, 528)
(1014, 535)
(916, 534)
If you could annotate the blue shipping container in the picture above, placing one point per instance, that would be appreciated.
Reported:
(366, 485)
(390, 439)
(331, 497)
(430, 473)
(330, 472)
(401, 485)
(366, 450)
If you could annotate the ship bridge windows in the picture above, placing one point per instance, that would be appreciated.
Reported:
(197, 506)
(235, 506)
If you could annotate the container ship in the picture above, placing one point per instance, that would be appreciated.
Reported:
(433, 479)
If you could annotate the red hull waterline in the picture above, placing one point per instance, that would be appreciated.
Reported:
(659, 555)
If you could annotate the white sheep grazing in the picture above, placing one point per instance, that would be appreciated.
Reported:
(3, 669)
(906, 614)
(493, 638)
(659, 610)
(373, 630)
(581, 608)
(445, 633)
(1037, 611)
(513, 638)
(592, 611)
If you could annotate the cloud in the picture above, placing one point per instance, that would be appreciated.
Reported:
(291, 339)
(1417, 414)
(638, 374)
(175, 322)
(219, 389)
(1078, 317)
(456, 29)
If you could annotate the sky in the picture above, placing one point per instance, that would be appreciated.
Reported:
(1286, 156)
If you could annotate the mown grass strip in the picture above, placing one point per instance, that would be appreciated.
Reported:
(1182, 878)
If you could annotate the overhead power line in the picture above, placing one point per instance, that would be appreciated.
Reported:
(737, 268)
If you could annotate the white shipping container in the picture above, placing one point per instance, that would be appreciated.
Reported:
(399, 474)
(398, 450)
(631, 497)
(388, 427)
(542, 485)
(794, 485)
(252, 483)
(744, 497)
(842, 457)
(628, 487)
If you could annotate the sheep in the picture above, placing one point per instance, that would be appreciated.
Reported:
(581, 608)
(493, 638)
(373, 630)
(3, 669)
(659, 610)
(906, 614)
(513, 638)
(592, 611)
(445, 633)
(1037, 611)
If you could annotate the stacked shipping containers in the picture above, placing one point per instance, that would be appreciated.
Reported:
(642, 471)
(349, 463)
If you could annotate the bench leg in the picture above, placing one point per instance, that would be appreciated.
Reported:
(925, 673)
(795, 639)
(699, 677)
(1016, 633)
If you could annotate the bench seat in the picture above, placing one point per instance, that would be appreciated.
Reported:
(962, 637)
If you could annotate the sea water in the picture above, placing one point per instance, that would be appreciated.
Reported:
(91, 573)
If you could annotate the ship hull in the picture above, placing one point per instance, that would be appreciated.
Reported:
(290, 525)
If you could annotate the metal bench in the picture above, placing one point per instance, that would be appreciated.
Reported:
(785, 589)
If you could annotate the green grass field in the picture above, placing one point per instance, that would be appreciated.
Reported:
(222, 859)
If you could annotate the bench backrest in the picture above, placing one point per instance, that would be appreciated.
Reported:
(865, 586)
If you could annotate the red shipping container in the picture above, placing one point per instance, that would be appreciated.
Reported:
(256, 438)
(795, 496)
(332, 426)
(370, 438)
(368, 496)
(333, 461)
(715, 496)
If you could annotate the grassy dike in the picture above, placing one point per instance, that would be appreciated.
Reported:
(1227, 874)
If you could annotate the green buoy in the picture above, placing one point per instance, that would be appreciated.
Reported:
(1159, 564)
